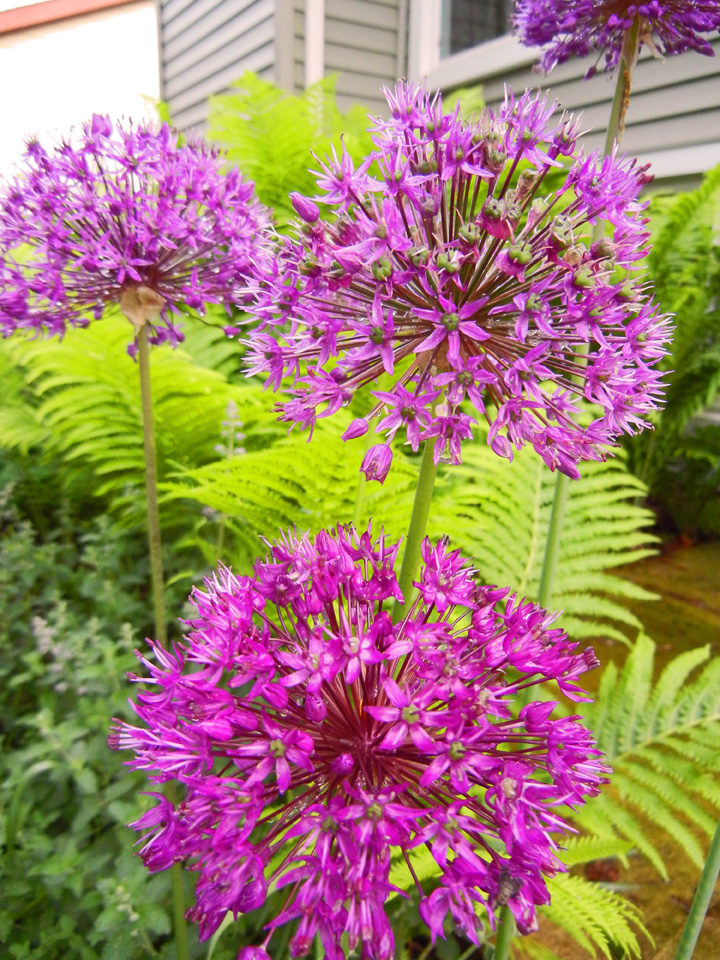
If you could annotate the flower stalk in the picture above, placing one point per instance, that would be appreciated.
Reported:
(416, 531)
(506, 929)
(140, 305)
(615, 130)
(701, 900)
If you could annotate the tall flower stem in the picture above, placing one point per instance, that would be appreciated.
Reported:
(615, 130)
(701, 900)
(153, 514)
(506, 929)
(418, 526)
(139, 305)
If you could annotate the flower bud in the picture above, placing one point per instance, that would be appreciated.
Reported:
(304, 208)
(358, 428)
(502, 447)
(376, 462)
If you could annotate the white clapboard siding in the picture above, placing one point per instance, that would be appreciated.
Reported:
(674, 115)
(206, 44)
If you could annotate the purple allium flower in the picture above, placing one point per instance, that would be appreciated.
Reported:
(317, 742)
(460, 284)
(113, 212)
(581, 27)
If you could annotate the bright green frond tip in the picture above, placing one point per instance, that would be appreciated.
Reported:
(271, 135)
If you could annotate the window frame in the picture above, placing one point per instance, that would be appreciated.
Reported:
(489, 59)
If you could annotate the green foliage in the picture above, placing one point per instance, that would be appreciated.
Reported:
(84, 408)
(498, 513)
(599, 920)
(663, 742)
(71, 886)
(481, 505)
(681, 461)
(271, 135)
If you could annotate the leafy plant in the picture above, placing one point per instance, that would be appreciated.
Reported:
(681, 461)
(495, 511)
(85, 406)
(271, 135)
(663, 742)
(498, 513)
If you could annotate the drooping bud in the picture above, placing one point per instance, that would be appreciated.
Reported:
(358, 428)
(376, 462)
(305, 208)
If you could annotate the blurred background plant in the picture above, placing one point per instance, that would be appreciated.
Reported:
(73, 603)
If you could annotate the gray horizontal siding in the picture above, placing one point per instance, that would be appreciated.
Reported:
(298, 46)
(675, 104)
(362, 47)
(206, 44)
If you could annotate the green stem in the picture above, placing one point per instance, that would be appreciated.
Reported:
(418, 525)
(552, 543)
(701, 900)
(178, 895)
(615, 130)
(153, 515)
(158, 590)
(504, 934)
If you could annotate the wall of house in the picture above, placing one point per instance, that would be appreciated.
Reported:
(674, 116)
(364, 44)
(206, 44)
(101, 62)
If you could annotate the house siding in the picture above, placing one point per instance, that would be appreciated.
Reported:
(673, 119)
(363, 46)
(205, 45)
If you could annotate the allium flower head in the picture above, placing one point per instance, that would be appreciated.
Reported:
(583, 27)
(114, 211)
(467, 287)
(317, 742)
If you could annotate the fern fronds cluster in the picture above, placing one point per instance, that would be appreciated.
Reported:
(681, 460)
(85, 406)
(663, 741)
(499, 514)
(271, 135)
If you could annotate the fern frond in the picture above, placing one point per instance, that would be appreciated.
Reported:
(271, 135)
(663, 741)
(498, 513)
(600, 920)
(89, 413)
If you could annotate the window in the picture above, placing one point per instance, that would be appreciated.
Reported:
(466, 23)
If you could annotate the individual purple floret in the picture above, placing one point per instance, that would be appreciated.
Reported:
(318, 742)
(582, 27)
(451, 281)
(116, 211)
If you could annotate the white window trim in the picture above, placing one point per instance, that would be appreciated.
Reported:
(478, 63)
(489, 59)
